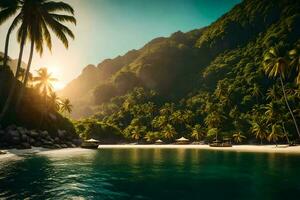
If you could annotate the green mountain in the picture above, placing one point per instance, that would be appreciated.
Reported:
(196, 68)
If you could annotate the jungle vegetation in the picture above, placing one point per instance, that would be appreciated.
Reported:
(237, 78)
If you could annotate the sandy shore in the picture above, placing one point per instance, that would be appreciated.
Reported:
(236, 148)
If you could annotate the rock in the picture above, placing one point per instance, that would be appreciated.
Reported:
(48, 146)
(24, 146)
(2, 152)
(24, 137)
(32, 141)
(13, 133)
(62, 133)
(33, 133)
(37, 144)
(74, 146)
(56, 140)
(57, 146)
(44, 134)
(11, 127)
(77, 142)
(64, 146)
(15, 140)
(21, 130)
(69, 144)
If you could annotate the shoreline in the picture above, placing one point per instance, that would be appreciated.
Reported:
(283, 149)
(235, 148)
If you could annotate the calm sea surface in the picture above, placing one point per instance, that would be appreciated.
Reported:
(150, 174)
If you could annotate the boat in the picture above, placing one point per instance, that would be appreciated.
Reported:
(218, 143)
(90, 144)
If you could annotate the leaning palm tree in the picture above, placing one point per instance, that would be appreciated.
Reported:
(7, 10)
(275, 66)
(66, 106)
(37, 16)
(42, 16)
(238, 137)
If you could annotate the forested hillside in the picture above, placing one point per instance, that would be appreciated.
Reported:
(208, 81)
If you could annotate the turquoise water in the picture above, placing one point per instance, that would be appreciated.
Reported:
(150, 174)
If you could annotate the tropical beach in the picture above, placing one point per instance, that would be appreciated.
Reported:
(173, 99)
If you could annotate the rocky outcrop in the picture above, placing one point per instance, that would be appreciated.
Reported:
(22, 138)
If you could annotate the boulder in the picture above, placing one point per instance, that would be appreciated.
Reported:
(56, 140)
(61, 133)
(2, 152)
(64, 146)
(24, 145)
(77, 142)
(21, 130)
(57, 146)
(11, 127)
(48, 146)
(13, 133)
(69, 144)
(44, 134)
(32, 141)
(15, 140)
(37, 144)
(33, 133)
(24, 137)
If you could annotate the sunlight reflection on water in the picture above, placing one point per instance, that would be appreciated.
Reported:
(148, 174)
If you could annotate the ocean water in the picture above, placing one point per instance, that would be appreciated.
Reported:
(150, 174)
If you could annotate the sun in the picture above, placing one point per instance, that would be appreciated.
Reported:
(56, 73)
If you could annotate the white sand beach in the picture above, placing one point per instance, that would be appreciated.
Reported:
(237, 148)
(14, 153)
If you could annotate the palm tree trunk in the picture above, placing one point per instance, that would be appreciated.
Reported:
(287, 103)
(23, 87)
(14, 80)
(5, 58)
(285, 133)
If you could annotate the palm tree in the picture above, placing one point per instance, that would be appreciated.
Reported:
(259, 130)
(275, 133)
(54, 101)
(272, 111)
(214, 119)
(37, 16)
(277, 66)
(198, 132)
(256, 91)
(272, 93)
(7, 10)
(66, 106)
(136, 134)
(43, 81)
(169, 132)
(41, 16)
(238, 137)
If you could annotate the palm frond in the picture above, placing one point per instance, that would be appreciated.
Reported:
(58, 6)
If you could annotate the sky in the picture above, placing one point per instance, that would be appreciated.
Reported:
(108, 28)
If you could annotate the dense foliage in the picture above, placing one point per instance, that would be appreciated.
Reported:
(212, 81)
